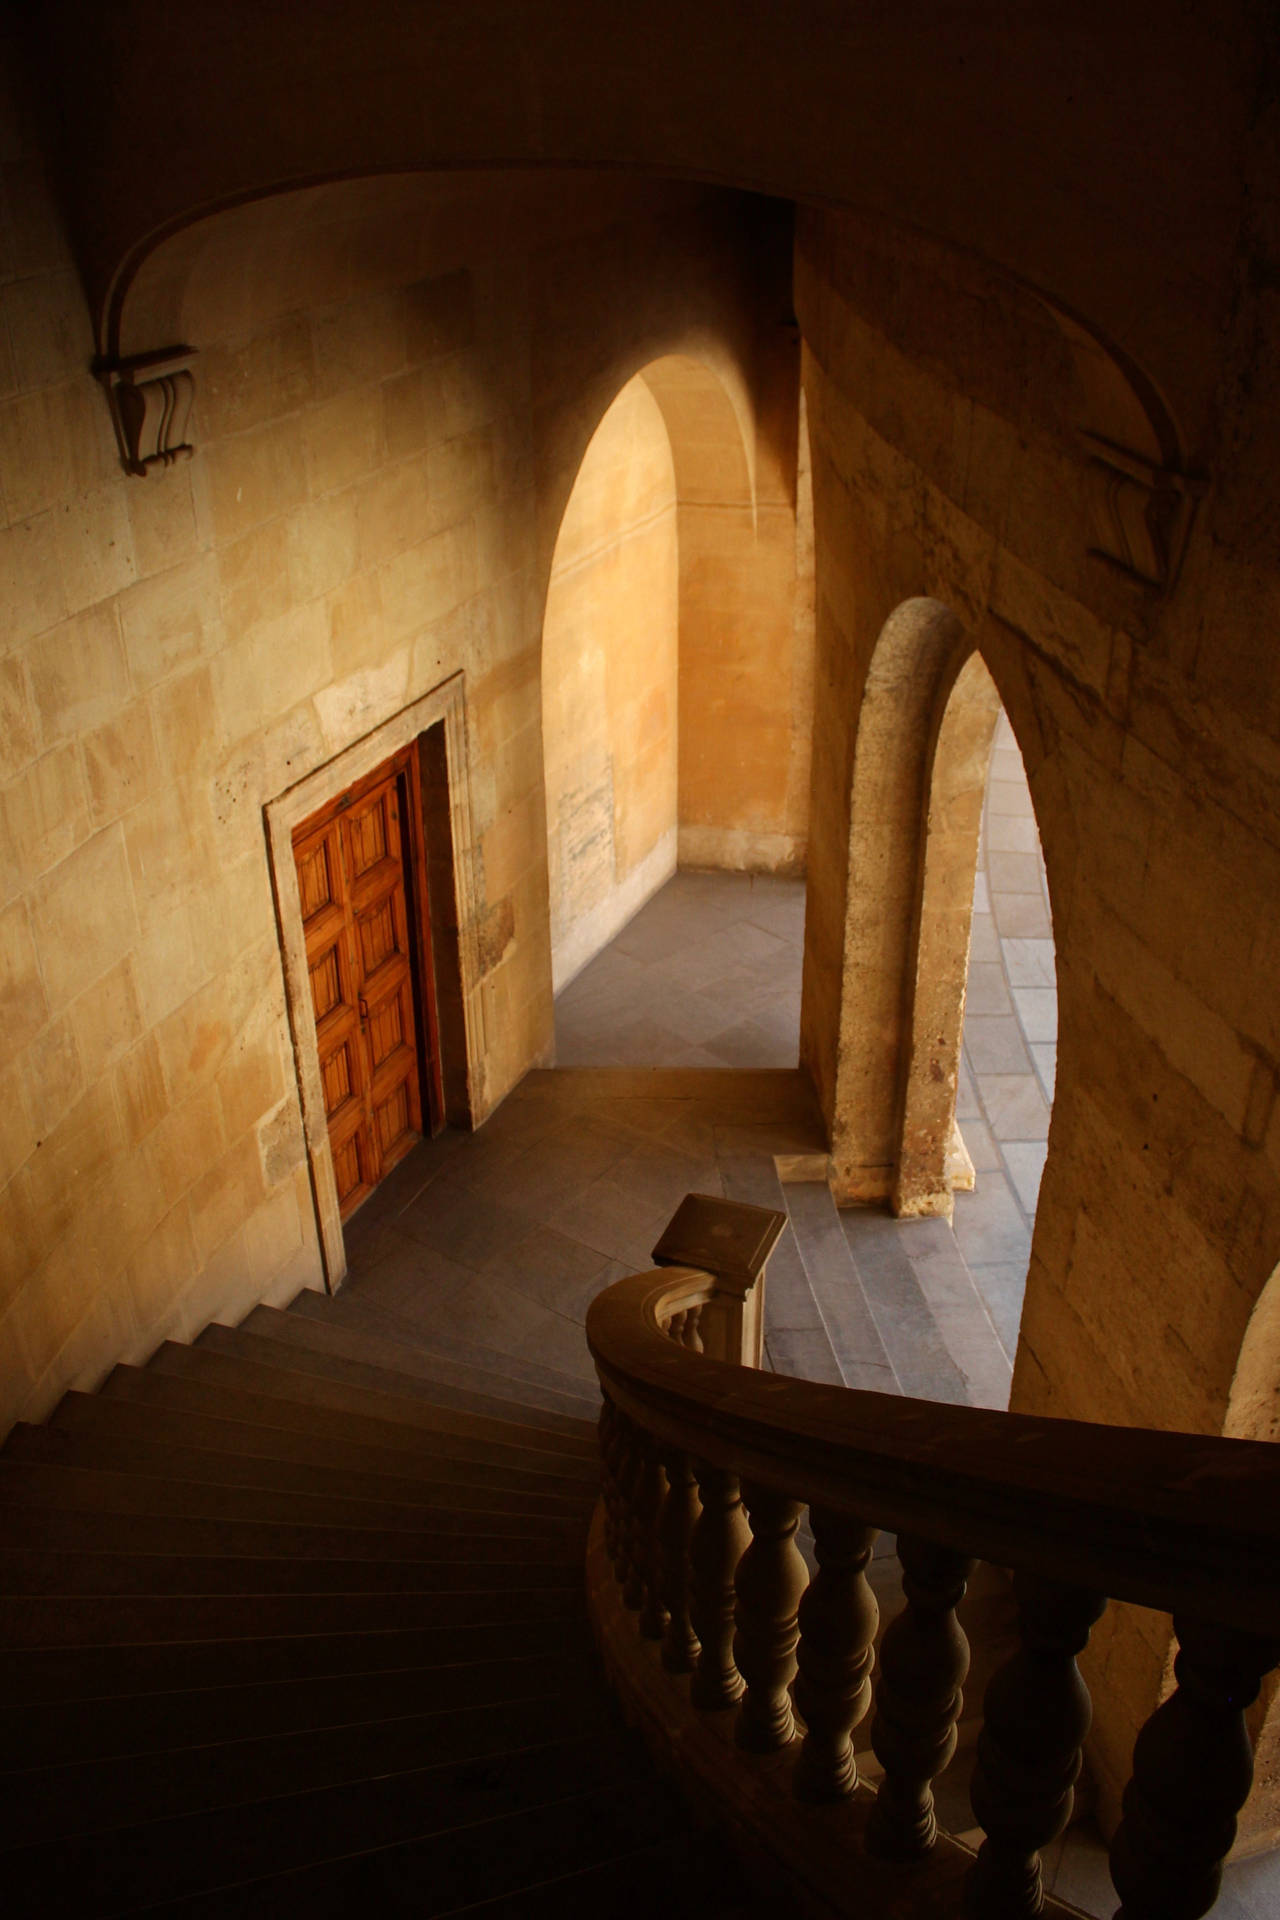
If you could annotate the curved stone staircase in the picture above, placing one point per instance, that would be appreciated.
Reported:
(292, 1620)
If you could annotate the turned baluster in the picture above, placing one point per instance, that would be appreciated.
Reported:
(771, 1578)
(606, 1432)
(1035, 1717)
(675, 1534)
(675, 1328)
(693, 1329)
(650, 1499)
(631, 1527)
(719, 1540)
(1192, 1770)
(838, 1618)
(924, 1658)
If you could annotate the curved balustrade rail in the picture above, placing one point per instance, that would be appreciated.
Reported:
(709, 1465)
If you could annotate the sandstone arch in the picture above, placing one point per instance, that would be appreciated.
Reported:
(676, 678)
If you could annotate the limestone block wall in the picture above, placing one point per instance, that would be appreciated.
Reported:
(948, 462)
(610, 639)
(363, 518)
(746, 639)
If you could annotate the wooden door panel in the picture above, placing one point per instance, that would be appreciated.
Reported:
(394, 1124)
(369, 831)
(389, 1026)
(383, 933)
(351, 1173)
(355, 907)
(327, 983)
(340, 1077)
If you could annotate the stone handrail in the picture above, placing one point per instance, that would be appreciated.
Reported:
(1183, 1523)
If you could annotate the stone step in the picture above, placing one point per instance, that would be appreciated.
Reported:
(186, 1854)
(32, 1482)
(202, 1385)
(851, 1326)
(89, 1530)
(491, 1861)
(44, 1674)
(170, 1460)
(101, 1418)
(508, 1374)
(368, 1360)
(58, 1619)
(316, 1382)
(32, 1571)
(366, 1333)
(80, 1731)
(687, 1877)
(47, 1802)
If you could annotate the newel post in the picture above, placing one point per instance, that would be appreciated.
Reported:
(731, 1241)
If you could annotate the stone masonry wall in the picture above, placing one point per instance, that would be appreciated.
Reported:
(945, 464)
(610, 643)
(370, 508)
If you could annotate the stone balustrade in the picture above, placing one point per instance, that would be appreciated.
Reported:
(752, 1674)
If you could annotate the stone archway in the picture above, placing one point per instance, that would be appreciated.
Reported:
(676, 673)
(931, 1159)
(916, 664)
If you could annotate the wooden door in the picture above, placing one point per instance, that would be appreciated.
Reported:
(368, 954)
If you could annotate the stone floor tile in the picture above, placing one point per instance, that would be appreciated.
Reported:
(1013, 872)
(613, 1220)
(984, 941)
(1253, 1888)
(994, 1044)
(1037, 1012)
(1012, 833)
(968, 1105)
(494, 1315)
(750, 1043)
(750, 1176)
(961, 1316)
(1025, 1161)
(789, 1305)
(1015, 1107)
(989, 1225)
(987, 991)
(1008, 796)
(1024, 915)
(1081, 1875)
(401, 1268)
(1001, 1285)
(1029, 962)
(907, 1325)
(1046, 1065)
(981, 894)
(806, 1355)
(463, 1226)
(980, 1145)
(660, 1179)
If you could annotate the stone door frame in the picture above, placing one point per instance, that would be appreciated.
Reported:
(446, 705)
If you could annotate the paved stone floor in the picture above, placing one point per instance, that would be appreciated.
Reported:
(502, 1238)
(708, 975)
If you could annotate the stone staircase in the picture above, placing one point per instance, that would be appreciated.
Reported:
(292, 1620)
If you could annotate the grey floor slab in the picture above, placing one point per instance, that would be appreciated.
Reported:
(677, 1047)
(914, 1340)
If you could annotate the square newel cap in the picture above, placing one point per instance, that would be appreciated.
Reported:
(724, 1237)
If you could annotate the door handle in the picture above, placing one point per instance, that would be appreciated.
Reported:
(363, 1005)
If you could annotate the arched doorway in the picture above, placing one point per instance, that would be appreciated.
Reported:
(948, 1004)
(676, 699)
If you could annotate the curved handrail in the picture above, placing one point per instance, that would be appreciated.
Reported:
(1173, 1521)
